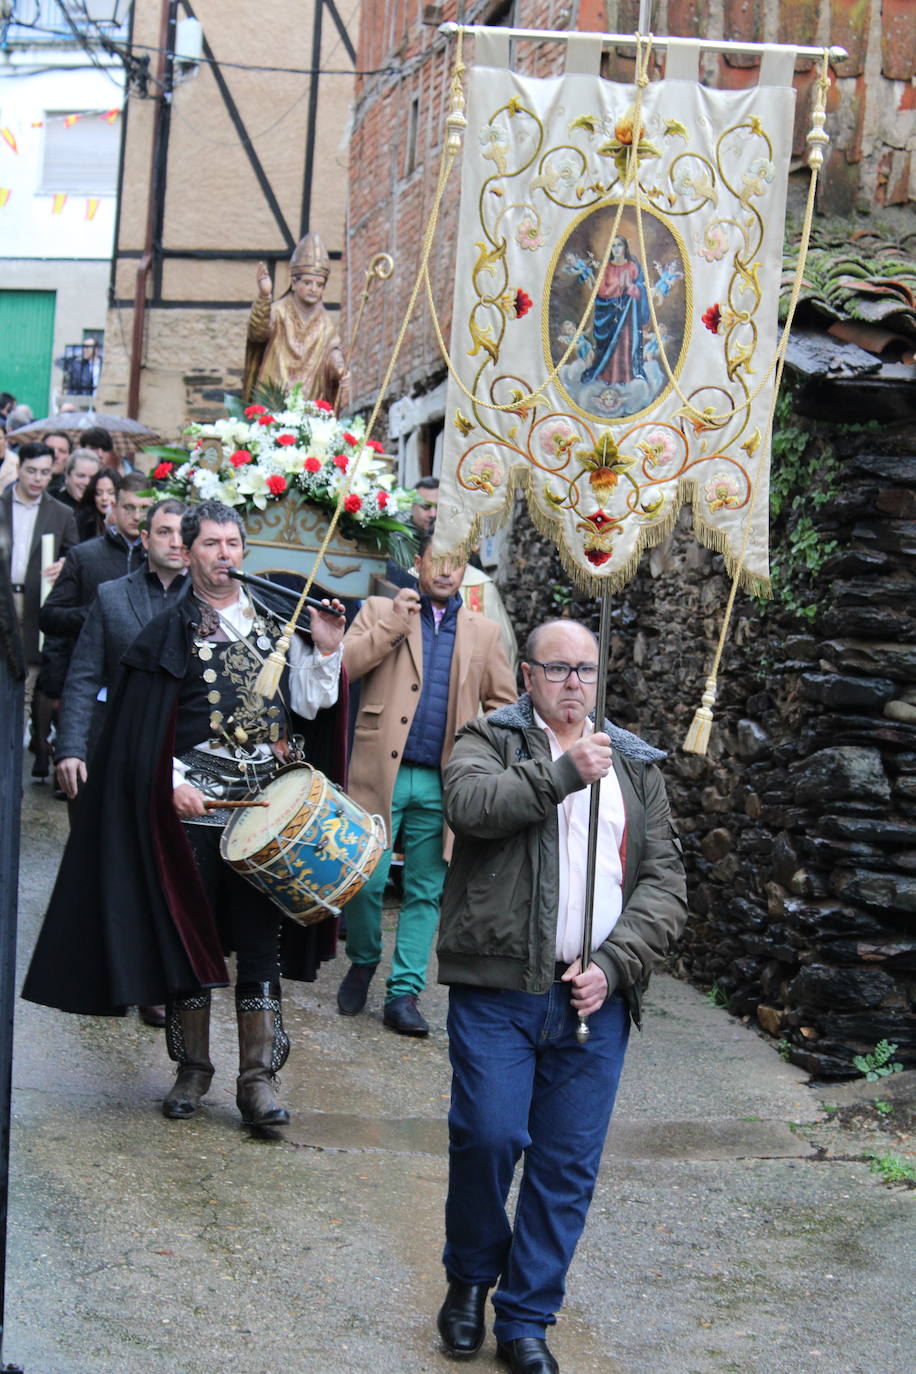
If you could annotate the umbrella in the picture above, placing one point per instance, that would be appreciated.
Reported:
(126, 434)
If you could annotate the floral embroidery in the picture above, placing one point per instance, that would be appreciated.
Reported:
(485, 472)
(712, 318)
(722, 492)
(715, 243)
(556, 438)
(528, 235)
(515, 303)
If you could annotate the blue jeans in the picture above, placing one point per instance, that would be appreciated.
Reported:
(416, 810)
(521, 1083)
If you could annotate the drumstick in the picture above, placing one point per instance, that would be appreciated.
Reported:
(214, 804)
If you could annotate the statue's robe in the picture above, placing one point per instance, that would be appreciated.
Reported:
(285, 348)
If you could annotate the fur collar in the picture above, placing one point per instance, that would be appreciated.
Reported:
(520, 716)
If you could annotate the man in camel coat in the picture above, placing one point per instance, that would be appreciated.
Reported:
(427, 667)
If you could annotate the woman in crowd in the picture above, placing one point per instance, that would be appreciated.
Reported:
(94, 509)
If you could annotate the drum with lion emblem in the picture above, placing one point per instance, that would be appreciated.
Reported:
(310, 849)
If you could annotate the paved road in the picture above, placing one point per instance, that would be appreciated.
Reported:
(733, 1230)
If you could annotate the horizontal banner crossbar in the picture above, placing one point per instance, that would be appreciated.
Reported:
(836, 54)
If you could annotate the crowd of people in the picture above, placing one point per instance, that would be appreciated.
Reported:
(151, 660)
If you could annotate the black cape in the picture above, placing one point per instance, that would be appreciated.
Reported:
(129, 923)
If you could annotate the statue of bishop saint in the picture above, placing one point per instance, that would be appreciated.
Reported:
(294, 338)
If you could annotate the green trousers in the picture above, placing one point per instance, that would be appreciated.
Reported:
(416, 810)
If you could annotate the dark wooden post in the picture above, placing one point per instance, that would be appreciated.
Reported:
(12, 693)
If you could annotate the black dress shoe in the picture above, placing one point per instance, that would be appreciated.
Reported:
(152, 1016)
(460, 1320)
(527, 1355)
(401, 1014)
(353, 991)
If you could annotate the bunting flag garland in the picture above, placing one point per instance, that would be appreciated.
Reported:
(92, 204)
(9, 139)
(58, 202)
(110, 116)
(5, 192)
(70, 120)
(614, 324)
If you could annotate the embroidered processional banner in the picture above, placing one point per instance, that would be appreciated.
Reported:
(614, 353)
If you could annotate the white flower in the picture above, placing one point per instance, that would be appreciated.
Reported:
(253, 483)
(207, 484)
(229, 494)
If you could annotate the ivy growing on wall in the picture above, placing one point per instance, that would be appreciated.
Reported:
(803, 476)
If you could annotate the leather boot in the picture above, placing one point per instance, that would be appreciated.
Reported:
(263, 1050)
(187, 1039)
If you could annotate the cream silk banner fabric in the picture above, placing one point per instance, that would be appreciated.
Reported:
(661, 391)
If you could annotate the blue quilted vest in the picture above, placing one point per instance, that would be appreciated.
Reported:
(427, 733)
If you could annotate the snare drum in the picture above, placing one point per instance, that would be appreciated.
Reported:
(310, 849)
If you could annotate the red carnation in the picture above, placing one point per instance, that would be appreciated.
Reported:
(265, 419)
(276, 484)
(350, 439)
(252, 411)
(341, 461)
(286, 439)
(240, 457)
(312, 465)
(374, 444)
(523, 304)
(353, 503)
(712, 318)
(323, 405)
(382, 499)
(162, 471)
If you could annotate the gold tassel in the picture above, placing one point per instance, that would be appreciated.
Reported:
(697, 740)
(268, 683)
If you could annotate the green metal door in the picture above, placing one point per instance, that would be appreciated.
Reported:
(27, 347)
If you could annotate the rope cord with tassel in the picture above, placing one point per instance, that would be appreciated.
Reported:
(268, 681)
(697, 739)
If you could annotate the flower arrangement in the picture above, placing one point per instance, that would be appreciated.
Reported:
(300, 452)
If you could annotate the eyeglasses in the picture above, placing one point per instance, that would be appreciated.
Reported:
(559, 672)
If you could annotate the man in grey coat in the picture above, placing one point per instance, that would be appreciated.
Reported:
(116, 615)
(516, 793)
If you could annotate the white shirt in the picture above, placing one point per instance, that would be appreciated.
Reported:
(313, 678)
(25, 513)
(572, 815)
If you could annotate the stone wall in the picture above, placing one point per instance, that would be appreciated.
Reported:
(799, 825)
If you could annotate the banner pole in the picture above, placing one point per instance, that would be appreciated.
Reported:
(604, 647)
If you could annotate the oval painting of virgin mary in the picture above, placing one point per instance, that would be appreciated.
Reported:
(616, 369)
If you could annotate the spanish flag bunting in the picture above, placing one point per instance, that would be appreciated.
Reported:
(92, 204)
(70, 120)
(60, 200)
(37, 124)
(110, 116)
(4, 195)
(7, 136)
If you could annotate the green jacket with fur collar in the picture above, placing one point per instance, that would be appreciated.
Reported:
(499, 906)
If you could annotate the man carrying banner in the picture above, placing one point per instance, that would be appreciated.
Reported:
(516, 795)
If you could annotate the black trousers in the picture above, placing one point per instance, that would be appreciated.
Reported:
(248, 922)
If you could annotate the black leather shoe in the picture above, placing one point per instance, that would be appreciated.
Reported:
(353, 991)
(527, 1355)
(152, 1016)
(460, 1320)
(402, 1015)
